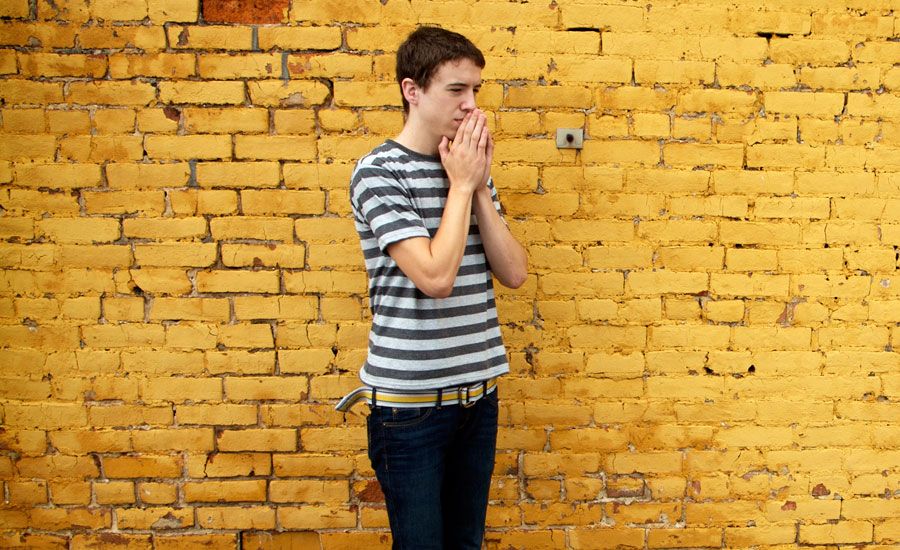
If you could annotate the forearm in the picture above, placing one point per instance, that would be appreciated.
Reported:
(448, 246)
(505, 255)
(432, 264)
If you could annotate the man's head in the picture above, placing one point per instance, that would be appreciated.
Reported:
(426, 49)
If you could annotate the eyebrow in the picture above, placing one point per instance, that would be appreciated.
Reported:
(464, 84)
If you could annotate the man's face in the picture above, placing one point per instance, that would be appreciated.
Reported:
(449, 96)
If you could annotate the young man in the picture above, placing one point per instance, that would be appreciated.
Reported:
(432, 235)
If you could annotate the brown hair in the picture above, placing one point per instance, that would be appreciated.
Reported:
(426, 49)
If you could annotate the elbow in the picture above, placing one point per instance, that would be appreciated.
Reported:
(516, 280)
(436, 287)
(519, 280)
(438, 293)
(516, 277)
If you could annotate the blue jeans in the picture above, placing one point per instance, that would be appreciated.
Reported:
(434, 466)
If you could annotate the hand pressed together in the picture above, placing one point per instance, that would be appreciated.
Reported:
(467, 160)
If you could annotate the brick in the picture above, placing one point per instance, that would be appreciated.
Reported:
(259, 256)
(673, 231)
(297, 93)
(285, 307)
(314, 491)
(216, 414)
(40, 202)
(670, 72)
(846, 532)
(222, 281)
(283, 202)
(311, 465)
(246, 388)
(658, 282)
(302, 38)
(176, 254)
(29, 121)
(230, 517)
(651, 125)
(245, 335)
(30, 148)
(876, 51)
(315, 176)
(316, 517)
(298, 539)
(581, 69)
(114, 121)
(834, 184)
(202, 92)
(188, 147)
(347, 148)
(114, 492)
(257, 440)
(98, 148)
(164, 228)
(128, 415)
(809, 51)
(804, 104)
(238, 174)
(622, 152)
(303, 122)
(177, 390)
(50, 64)
(215, 37)
(240, 362)
(275, 147)
(719, 101)
(79, 443)
(27, 493)
(733, 48)
(650, 45)
(55, 519)
(16, 9)
(142, 176)
(143, 466)
(163, 121)
(225, 491)
(19, 91)
(161, 11)
(218, 120)
(47, 33)
(839, 78)
(219, 202)
(112, 92)
(156, 517)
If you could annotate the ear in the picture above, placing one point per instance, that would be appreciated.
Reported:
(410, 91)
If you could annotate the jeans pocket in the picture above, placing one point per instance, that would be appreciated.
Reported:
(492, 400)
(396, 417)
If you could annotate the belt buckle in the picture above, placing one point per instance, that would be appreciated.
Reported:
(467, 402)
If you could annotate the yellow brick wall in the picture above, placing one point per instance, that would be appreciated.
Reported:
(704, 354)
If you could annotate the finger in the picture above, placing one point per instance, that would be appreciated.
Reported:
(472, 120)
(444, 147)
(478, 129)
(461, 129)
(485, 134)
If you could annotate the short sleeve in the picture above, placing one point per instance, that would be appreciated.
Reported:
(496, 199)
(381, 202)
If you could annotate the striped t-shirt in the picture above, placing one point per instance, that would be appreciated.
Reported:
(418, 342)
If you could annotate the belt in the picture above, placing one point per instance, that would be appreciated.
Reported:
(465, 396)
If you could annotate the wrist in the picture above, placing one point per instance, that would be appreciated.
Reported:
(484, 191)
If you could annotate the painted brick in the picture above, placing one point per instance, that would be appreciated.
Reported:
(183, 294)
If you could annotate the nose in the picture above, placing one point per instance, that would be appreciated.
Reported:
(468, 103)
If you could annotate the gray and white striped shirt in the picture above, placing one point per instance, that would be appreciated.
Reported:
(418, 342)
